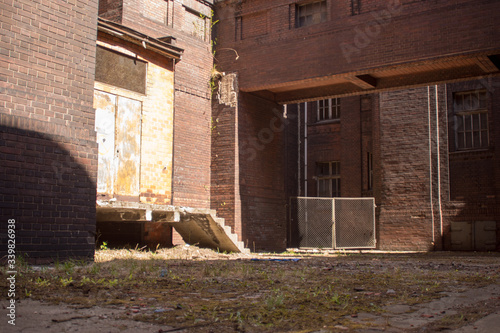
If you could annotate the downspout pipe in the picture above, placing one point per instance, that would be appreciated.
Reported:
(305, 149)
(438, 143)
(299, 190)
(430, 164)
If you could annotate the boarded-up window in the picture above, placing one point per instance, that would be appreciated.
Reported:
(254, 25)
(195, 23)
(120, 70)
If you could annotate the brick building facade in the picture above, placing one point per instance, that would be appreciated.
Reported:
(395, 70)
(48, 149)
(434, 179)
(389, 143)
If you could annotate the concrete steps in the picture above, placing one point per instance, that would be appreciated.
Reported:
(205, 229)
(197, 226)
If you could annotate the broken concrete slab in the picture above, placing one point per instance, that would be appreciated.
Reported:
(397, 318)
(203, 228)
(196, 225)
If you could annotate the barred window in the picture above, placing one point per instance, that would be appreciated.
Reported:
(310, 13)
(328, 179)
(328, 109)
(471, 120)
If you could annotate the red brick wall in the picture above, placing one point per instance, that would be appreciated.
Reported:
(323, 145)
(225, 163)
(417, 30)
(474, 175)
(471, 171)
(111, 10)
(48, 149)
(261, 173)
(366, 105)
(192, 110)
(408, 202)
(346, 140)
(248, 180)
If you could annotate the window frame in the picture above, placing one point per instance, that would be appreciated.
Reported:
(308, 6)
(332, 178)
(471, 122)
(328, 112)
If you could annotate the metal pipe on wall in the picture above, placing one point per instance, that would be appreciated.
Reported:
(298, 151)
(438, 143)
(305, 149)
(430, 162)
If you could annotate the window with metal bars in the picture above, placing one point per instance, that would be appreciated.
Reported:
(328, 109)
(471, 120)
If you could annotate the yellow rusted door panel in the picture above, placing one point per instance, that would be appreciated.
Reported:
(105, 105)
(128, 147)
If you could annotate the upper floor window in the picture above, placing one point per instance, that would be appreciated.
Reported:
(310, 13)
(328, 109)
(471, 120)
(328, 179)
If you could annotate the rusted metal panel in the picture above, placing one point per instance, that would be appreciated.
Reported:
(105, 105)
(128, 147)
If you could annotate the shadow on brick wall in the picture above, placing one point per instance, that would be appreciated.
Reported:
(46, 197)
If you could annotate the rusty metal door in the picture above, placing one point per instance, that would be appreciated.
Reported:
(128, 147)
(118, 127)
(105, 105)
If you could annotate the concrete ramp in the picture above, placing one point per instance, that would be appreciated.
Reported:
(199, 227)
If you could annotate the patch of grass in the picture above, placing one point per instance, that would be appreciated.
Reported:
(228, 292)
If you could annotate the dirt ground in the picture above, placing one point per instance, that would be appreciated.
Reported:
(188, 289)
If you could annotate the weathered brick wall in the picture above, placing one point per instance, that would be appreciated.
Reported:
(471, 171)
(344, 140)
(48, 149)
(192, 106)
(111, 10)
(323, 145)
(248, 156)
(350, 122)
(291, 172)
(225, 156)
(157, 119)
(261, 170)
(408, 203)
(385, 33)
(367, 172)
(474, 175)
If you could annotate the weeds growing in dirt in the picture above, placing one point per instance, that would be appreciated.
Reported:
(187, 286)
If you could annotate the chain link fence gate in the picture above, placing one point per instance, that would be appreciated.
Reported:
(339, 223)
